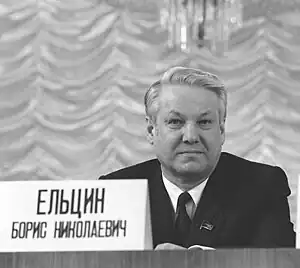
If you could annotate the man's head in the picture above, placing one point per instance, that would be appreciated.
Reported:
(185, 113)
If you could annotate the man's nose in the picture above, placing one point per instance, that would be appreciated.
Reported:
(191, 134)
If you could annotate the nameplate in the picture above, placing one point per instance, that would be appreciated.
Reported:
(74, 215)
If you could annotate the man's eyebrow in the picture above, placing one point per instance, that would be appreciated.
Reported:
(208, 112)
(205, 113)
(174, 112)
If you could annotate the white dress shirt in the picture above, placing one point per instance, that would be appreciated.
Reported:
(174, 192)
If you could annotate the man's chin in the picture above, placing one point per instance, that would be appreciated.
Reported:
(190, 168)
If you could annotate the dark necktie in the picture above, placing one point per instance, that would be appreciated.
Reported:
(182, 221)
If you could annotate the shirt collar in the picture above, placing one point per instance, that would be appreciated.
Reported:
(174, 191)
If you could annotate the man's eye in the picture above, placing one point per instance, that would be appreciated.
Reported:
(205, 122)
(175, 121)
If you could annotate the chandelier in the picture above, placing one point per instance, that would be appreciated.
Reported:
(193, 24)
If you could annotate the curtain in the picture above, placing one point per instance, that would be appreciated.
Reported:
(73, 74)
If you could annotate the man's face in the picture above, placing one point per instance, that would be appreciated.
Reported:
(188, 133)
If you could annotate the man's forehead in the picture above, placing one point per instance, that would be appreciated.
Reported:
(169, 91)
(183, 99)
(187, 93)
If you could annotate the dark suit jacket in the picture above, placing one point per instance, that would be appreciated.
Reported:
(245, 202)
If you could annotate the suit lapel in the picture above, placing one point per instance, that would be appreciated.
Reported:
(209, 216)
(207, 221)
(162, 211)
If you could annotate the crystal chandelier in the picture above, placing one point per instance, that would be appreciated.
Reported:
(200, 23)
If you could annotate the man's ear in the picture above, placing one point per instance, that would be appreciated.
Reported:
(222, 131)
(150, 130)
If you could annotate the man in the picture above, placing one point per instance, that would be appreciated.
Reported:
(198, 195)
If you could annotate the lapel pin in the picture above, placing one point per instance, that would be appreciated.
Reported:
(206, 225)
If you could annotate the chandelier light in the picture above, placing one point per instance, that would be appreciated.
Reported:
(193, 24)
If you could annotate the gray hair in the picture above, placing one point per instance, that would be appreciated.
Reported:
(184, 76)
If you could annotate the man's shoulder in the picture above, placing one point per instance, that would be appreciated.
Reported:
(254, 173)
(140, 170)
(242, 163)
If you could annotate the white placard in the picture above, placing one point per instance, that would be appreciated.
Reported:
(74, 215)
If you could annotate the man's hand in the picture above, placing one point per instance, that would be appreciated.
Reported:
(169, 246)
